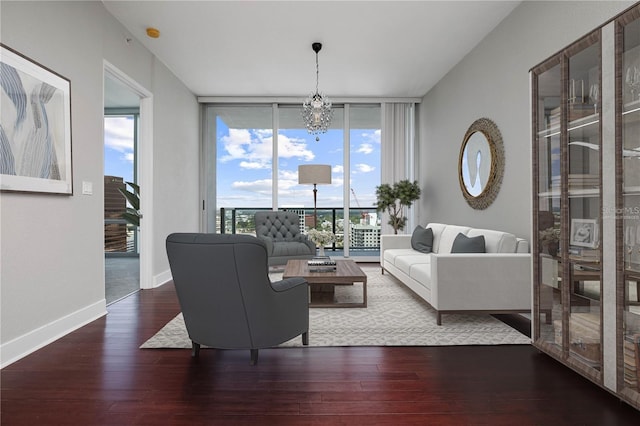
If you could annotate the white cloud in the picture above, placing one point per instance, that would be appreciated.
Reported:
(373, 137)
(294, 148)
(253, 165)
(254, 148)
(118, 134)
(337, 169)
(260, 186)
(288, 175)
(365, 148)
(364, 168)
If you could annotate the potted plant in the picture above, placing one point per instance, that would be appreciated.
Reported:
(132, 214)
(394, 199)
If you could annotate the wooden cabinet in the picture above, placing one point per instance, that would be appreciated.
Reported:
(628, 202)
(586, 201)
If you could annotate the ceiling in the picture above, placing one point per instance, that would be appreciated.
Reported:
(377, 49)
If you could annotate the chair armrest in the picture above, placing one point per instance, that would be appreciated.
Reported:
(288, 283)
(268, 241)
(304, 239)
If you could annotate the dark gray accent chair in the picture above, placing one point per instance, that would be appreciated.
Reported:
(227, 298)
(280, 231)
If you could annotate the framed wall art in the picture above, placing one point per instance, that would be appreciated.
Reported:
(35, 126)
(584, 233)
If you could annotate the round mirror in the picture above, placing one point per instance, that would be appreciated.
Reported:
(481, 163)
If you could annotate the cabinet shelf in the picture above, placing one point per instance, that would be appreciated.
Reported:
(580, 123)
(584, 193)
(631, 190)
(632, 108)
(590, 120)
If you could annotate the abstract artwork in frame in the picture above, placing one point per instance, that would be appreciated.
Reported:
(35, 126)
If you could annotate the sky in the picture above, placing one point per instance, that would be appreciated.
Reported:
(118, 147)
(245, 164)
(244, 168)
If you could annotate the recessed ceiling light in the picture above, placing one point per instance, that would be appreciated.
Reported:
(153, 32)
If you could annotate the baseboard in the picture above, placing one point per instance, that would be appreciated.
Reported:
(162, 278)
(30, 342)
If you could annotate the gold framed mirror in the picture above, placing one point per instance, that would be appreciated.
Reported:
(481, 163)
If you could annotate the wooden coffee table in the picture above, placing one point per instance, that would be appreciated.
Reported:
(322, 284)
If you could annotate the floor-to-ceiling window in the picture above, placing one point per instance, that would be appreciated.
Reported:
(245, 170)
(240, 165)
(364, 177)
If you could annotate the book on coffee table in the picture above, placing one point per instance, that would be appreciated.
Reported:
(321, 264)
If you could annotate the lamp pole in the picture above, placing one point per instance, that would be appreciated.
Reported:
(315, 207)
(314, 174)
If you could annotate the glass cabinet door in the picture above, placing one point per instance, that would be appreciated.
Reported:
(547, 162)
(567, 158)
(630, 212)
(582, 164)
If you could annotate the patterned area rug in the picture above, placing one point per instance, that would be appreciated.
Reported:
(394, 316)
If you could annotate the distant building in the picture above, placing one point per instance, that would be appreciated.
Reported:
(115, 229)
(364, 236)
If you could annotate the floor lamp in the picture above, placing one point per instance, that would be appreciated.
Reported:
(316, 174)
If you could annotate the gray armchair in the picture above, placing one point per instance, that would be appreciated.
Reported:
(280, 231)
(226, 297)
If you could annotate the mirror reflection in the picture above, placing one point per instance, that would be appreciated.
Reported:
(476, 163)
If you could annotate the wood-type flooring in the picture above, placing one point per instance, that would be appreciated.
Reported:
(98, 376)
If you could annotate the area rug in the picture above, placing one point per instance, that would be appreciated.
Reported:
(394, 316)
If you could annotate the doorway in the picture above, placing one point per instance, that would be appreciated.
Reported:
(126, 133)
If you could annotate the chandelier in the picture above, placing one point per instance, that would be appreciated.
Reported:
(316, 109)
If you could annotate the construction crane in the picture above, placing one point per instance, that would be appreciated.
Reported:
(363, 215)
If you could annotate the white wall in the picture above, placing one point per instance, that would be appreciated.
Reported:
(493, 81)
(52, 260)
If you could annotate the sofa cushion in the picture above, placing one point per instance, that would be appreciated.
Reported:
(496, 241)
(464, 244)
(448, 236)
(390, 255)
(290, 248)
(437, 229)
(406, 262)
(421, 272)
(422, 239)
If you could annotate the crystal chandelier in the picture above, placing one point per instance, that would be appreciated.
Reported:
(316, 110)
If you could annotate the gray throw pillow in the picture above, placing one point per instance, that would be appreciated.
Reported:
(464, 244)
(422, 239)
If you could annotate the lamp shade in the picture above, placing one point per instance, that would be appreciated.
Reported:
(314, 174)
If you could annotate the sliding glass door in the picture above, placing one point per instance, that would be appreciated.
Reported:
(251, 159)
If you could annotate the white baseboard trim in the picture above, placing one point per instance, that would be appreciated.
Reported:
(30, 342)
(162, 278)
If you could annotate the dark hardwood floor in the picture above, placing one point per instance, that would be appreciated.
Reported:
(98, 376)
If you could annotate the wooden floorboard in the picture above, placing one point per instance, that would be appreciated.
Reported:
(98, 376)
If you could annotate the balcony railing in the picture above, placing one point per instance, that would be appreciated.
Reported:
(120, 237)
(365, 229)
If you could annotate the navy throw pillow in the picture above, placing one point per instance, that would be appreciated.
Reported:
(464, 244)
(422, 239)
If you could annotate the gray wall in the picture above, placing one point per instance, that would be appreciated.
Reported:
(493, 81)
(52, 263)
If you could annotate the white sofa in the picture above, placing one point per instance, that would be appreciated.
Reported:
(498, 281)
